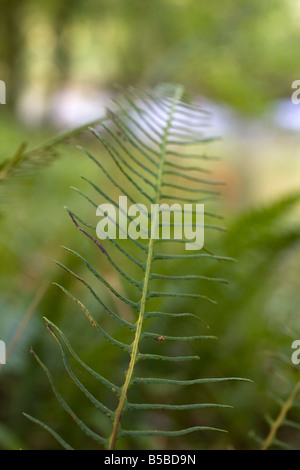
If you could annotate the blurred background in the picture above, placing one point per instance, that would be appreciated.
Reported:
(62, 63)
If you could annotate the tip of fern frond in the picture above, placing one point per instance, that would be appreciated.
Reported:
(32, 351)
(74, 188)
(93, 131)
(50, 324)
(67, 209)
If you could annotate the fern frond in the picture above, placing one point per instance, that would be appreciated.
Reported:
(25, 162)
(142, 141)
(282, 421)
(51, 431)
(89, 432)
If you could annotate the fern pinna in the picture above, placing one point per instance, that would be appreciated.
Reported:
(145, 137)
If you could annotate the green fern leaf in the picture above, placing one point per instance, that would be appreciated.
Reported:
(142, 142)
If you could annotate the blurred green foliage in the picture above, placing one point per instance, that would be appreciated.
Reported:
(249, 320)
(242, 53)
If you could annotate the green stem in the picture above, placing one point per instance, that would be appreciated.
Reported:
(287, 405)
(135, 344)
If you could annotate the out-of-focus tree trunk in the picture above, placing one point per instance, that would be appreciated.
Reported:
(12, 47)
(62, 19)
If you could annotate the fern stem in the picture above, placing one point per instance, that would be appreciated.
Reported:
(9, 165)
(284, 410)
(135, 344)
